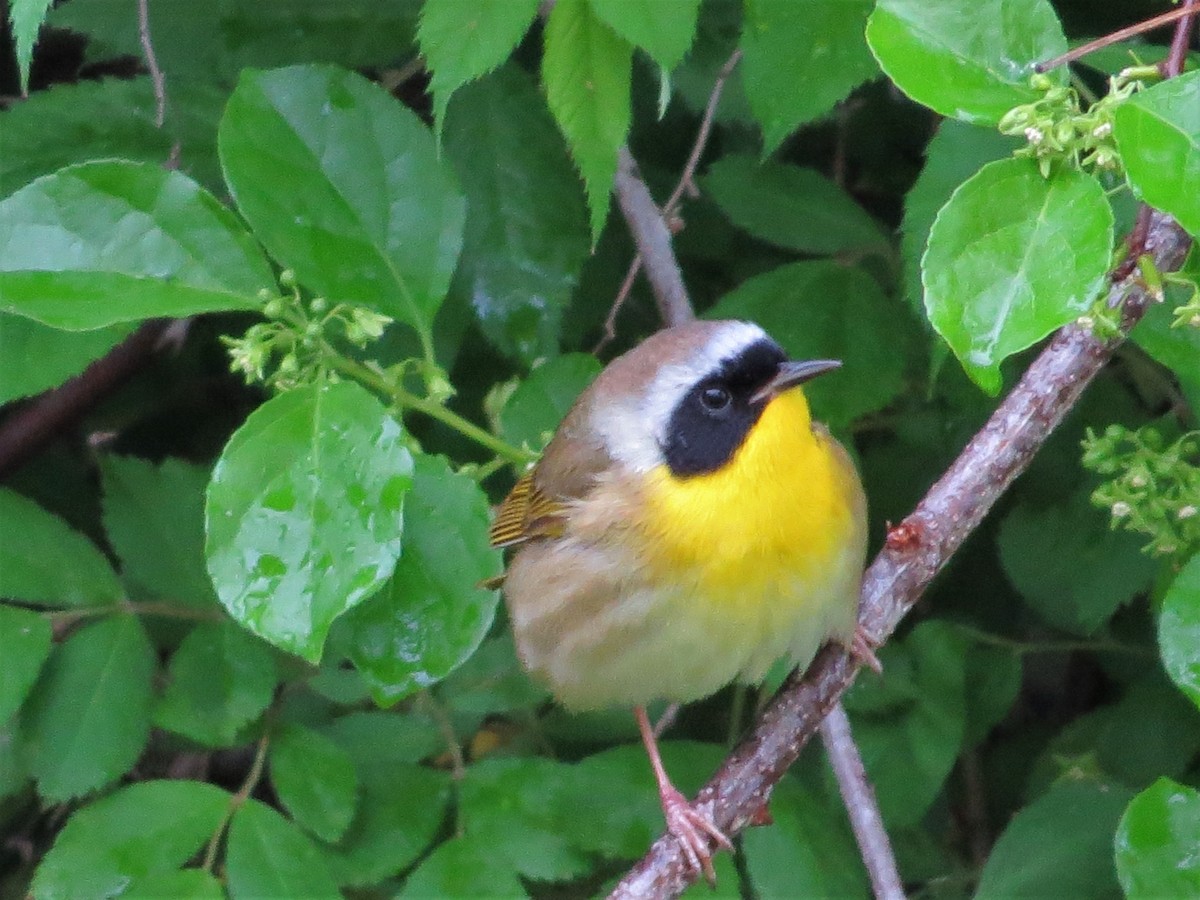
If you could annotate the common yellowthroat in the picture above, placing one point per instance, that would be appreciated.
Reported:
(688, 525)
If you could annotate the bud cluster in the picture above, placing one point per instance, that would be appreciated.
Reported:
(1152, 486)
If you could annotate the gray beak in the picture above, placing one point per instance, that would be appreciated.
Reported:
(791, 374)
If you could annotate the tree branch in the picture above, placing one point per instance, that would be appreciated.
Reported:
(859, 799)
(915, 551)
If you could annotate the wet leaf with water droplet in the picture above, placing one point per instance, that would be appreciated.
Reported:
(290, 546)
(431, 615)
(1156, 842)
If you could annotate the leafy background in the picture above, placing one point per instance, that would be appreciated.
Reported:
(244, 645)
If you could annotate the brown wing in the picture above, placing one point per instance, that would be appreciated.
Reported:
(527, 512)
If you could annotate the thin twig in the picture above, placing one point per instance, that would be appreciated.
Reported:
(1115, 38)
(156, 75)
(668, 281)
(1177, 56)
(859, 799)
(253, 777)
(916, 551)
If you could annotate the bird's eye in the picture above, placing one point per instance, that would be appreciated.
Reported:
(714, 398)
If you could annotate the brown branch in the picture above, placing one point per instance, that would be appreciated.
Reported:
(1177, 56)
(915, 551)
(653, 240)
(1182, 12)
(156, 75)
(859, 799)
(27, 430)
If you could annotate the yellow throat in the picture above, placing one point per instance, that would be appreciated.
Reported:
(779, 511)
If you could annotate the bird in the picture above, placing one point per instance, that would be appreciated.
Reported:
(687, 526)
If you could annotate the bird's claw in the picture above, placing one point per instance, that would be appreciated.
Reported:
(862, 648)
(694, 830)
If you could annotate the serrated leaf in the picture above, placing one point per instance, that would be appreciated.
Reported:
(218, 681)
(268, 856)
(1069, 565)
(1156, 842)
(44, 561)
(314, 779)
(808, 851)
(344, 186)
(303, 515)
(142, 830)
(526, 234)
(1011, 257)
(540, 401)
(801, 59)
(821, 310)
(432, 614)
(465, 39)
(463, 867)
(910, 725)
(663, 28)
(791, 207)
(377, 741)
(88, 717)
(587, 70)
(1058, 846)
(26, 17)
(154, 518)
(38, 357)
(214, 42)
(1158, 133)
(967, 61)
(1179, 630)
(114, 241)
(957, 152)
(25, 637)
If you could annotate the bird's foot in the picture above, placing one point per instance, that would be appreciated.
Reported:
(862, 648)
(694, 830)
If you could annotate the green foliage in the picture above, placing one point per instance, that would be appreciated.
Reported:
(248, 637)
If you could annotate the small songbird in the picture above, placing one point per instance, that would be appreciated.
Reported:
(688, 525)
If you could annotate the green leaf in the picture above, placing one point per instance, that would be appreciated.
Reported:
(314, 779)
(182, 884)
(1158, 133)
(526, 234)
(993, 682)
(88, 717)
(304, 512)
(1156, 842)
(910, 724)
(197, 43)
(463, 867)
(586, 70)
(801, 59)
(663, 28)
(26, 17)
(219, 680)
(808, 851)
(465, 39)
(114, 241)
(38, 357)
(44, 561)
(1058, 846)
(401, 811)
(492, 681)
(154, 518)
(956, 153)
(377, 741)
(432, 614)
(968, 61)
(540, 401)
(819, 309)
(1011, 257)
(1179, 630)
(1069, 565)
(144, 829)
(343, 185)
(794, 208)
(25, 637)
(268, 856)
(1176, 348)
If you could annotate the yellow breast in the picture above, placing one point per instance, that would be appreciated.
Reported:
(783, 509)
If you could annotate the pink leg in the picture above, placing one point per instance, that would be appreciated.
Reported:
(692, 828)
(862, 648)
